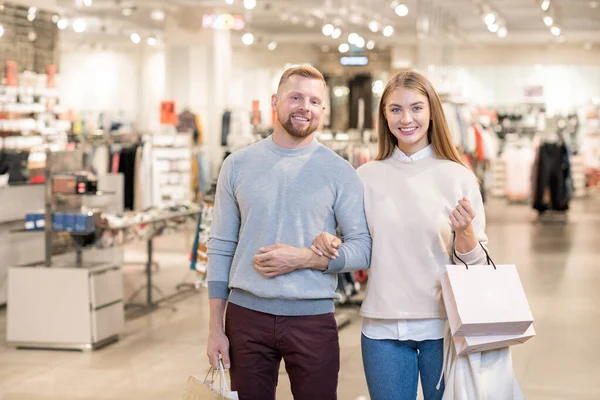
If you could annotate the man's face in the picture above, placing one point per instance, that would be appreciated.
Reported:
(299, 105)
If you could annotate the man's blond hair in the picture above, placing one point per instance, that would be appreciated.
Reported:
(306, 71)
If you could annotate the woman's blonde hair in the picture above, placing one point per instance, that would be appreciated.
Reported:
(438, 134)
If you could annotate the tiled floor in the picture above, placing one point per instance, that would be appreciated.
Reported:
(559, 263)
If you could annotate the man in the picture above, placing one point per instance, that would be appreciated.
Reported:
(273, 198)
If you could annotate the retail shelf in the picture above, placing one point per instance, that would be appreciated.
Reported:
(98, 193)
(153, 221)
(73, 233)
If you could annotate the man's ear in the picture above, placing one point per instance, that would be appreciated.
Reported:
(274, 100)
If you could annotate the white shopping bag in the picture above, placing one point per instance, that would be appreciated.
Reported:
(475, 344)
(483, 300)
(198, 389)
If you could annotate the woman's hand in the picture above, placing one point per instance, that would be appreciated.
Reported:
(462, 216)
(326, 245)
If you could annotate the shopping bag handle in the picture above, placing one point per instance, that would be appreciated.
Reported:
(224, 387)
(487, 256)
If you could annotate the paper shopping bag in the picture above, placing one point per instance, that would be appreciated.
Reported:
(209, 388)
(483, 300)
(475, 344)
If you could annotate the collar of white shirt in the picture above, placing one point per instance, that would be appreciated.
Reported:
(426, 152)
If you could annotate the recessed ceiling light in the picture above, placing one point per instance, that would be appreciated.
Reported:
(344, 48)
(548, 20)
(248, 39)
(32, 36)
(157, 15)
(135, 38)
(490, 19)
(555, 30)
(353, 38)
(62, 23)
(545, 5)
(152, 41)
(360, 42)
(127, 12)
(493, 28)
(272, 46)
(401, 10)
(249, 4)
(79, 25)
(374, 26)
(502, 32)
(388, 31)
(328, 29)
(1, 31)
(370, 44)
(337, 32)
(229, 1)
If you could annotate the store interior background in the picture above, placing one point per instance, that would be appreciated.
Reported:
(116, 61)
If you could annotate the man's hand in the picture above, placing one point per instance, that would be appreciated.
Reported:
(218, 346)
(281, 259)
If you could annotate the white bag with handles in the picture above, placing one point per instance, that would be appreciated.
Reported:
(198, 389)
(483, 300)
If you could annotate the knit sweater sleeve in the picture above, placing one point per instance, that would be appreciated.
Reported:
(477, 255)
(224, 233)
(349, 209)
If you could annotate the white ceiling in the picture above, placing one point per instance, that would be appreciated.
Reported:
(292, 21)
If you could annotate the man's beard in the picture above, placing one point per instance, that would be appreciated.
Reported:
(294, 131)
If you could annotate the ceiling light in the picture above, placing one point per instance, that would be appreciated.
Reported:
(328, 30)
(55, 18)
(248, 39)
(127, 12)
(388, 31)
(294, 20)
(337, 32)
(30, 17)
(229, 1)
(310, 23)
(152, 41)
(555, 30)
(493, 28)
(545, 5)
(79, 25)
(32, 10)
(373, 26)
(272, 46)
(344, 48)
(360, 42)
(87, 3)
(249, 5)
(32, 36)
(502, 32)
(62, 23)
(370, 45)
(490, 19)
(395, 3)
(593, 4)
(135, 38)
(402, 10)
(356, 19)
(548, 20)
(157, 15)
(353, 38)
(1, 31)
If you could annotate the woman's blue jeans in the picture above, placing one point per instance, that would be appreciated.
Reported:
(392, 368)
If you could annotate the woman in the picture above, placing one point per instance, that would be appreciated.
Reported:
(422, 203)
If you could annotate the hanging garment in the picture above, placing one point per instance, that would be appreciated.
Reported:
(127, 167)
(518, 163)
(101, 160)
(187, 123)
(225, 127)
(552, 173)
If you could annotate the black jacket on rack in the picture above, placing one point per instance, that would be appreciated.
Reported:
(552, 177)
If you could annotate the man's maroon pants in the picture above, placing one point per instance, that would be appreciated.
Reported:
(308, 345)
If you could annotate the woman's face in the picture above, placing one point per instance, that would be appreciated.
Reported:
(408, 116)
